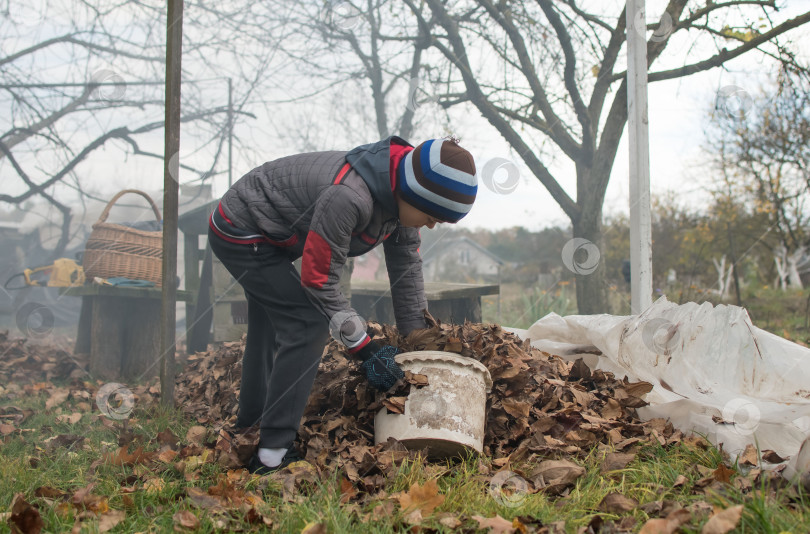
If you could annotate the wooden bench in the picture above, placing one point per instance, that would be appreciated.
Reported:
(120, 328)
(452, 303)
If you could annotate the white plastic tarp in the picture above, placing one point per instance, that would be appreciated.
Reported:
(712, 370)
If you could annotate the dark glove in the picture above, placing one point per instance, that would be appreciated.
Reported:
(379, 366)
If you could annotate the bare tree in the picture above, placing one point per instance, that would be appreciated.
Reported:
(361, 62)
(558, 81)
(763, 144)
(94, 81)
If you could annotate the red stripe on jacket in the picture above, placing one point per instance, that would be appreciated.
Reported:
(316, 261)
(397, 152)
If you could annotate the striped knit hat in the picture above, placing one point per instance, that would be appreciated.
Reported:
(438, 178)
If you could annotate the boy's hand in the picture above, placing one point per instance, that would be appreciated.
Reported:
(380, 368)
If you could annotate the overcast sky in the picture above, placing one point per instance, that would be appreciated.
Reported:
(678, 111)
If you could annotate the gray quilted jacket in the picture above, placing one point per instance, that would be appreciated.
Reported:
(295, 203)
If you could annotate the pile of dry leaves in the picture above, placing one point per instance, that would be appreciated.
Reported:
(540, 404)
(22, 362)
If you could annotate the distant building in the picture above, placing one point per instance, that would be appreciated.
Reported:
(367, 266)
(460, 260)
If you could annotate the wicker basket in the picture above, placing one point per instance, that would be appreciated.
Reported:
(118, 250)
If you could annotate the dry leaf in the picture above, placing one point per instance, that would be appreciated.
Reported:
(71, 419)
(425, 498)
(553, 476)
(57, 397)
(314, 528)
(108, 520)
(668, 525)
(185, 519)
(154, 485)
(616, 503)
(772, 457)
(449, 520)
(723, 474)
(496, 525)
(617, 460)
(749, 456)
(516, 408)
(24, 516)
(395, 404)
(724, 521)
(196, 434)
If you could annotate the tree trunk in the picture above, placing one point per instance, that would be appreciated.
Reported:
(591, 281)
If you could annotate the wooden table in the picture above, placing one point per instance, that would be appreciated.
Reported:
(120, 328)
(453, 303)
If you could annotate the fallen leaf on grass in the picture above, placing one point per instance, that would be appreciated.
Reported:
(496, 525)
(723, 521)
(123, 457)
(185, 520)
(7, 429)
(196, 434)
(24, 516)
(749, 456)
(71, 419)
(667, 525)
(154, 485)
(347, 490)
(108, 520)
(314, 528)
(167, 437)
(617, 460)
(772, 457)
(425, 498)
(553, 476)
(63, 440)
(449, 520)
(57, 397)
(202, 499)
(616, 503)
(384, 510)
(723, 474)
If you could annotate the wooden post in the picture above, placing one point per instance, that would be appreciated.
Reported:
(171, 177)
(638, 136)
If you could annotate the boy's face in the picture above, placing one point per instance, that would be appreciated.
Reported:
(411, 217)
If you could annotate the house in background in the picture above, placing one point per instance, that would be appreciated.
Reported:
(460, 260)
(367, 266)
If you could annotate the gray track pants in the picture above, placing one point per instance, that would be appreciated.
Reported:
(285, 339)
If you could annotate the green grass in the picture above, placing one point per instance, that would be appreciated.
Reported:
(464, 484)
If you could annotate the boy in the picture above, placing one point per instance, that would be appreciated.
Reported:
(325, 207)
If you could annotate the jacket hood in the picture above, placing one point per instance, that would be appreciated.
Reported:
(372, 163)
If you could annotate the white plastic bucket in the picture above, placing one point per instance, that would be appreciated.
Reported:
(448, 415)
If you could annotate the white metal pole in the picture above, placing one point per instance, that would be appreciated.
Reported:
(638, 132)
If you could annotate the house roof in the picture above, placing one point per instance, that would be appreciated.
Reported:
(437, 251)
